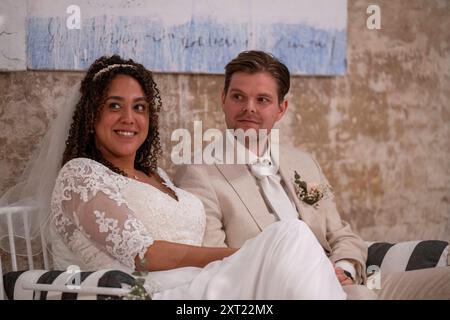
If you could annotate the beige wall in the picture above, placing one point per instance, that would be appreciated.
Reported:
(381, 132)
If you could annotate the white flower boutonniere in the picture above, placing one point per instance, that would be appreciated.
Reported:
(310, 193)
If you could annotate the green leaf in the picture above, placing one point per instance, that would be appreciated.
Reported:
(303, 185)
(143, 263)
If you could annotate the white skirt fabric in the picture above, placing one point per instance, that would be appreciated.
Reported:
(285, 261)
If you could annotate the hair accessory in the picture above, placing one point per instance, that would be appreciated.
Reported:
(110, 67)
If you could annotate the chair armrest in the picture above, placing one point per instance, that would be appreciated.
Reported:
(64, 285)
(407, 255)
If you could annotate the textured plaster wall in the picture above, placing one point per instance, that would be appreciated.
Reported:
(381, 132)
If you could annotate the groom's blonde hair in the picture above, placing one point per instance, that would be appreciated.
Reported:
(258, 61)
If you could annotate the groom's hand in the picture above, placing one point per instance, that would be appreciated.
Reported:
(343, 278)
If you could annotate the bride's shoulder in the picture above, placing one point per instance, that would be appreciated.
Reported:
(82, 162)
(84, 172)
(85, 166)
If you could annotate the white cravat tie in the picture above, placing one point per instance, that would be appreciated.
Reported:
(273, 191)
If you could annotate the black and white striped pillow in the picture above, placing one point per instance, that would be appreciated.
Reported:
(103, 278)
(408, 255)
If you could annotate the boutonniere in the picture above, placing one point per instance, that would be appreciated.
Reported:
(310, 193)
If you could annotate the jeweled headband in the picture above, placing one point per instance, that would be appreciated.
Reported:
(110, 67)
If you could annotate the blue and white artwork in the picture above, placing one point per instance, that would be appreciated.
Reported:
(12, 35)
(199, 36)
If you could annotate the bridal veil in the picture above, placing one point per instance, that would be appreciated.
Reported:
(34, 187)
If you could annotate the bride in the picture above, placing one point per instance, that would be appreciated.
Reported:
(112, 207)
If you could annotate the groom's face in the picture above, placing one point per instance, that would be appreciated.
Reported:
(251, 102)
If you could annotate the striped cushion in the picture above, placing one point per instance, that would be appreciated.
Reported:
(409, 255)
(13, 282)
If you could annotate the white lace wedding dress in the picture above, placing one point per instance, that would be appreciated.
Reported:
(103, 220)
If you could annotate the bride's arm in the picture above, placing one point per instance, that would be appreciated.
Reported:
(164, 255)
(114, 229)
(88, 201)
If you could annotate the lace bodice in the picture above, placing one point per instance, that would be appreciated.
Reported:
(105, 218)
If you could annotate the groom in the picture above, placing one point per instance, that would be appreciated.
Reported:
(241, 200)
(239, 203)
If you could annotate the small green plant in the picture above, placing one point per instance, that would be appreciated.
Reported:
(138, 291)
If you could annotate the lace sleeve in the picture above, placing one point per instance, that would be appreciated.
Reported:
(87, 199)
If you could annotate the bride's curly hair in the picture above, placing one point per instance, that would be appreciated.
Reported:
(94, 88)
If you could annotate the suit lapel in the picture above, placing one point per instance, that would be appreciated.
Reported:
(246, 189)
(307, 213)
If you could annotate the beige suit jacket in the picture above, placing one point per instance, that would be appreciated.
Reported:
(236, 210)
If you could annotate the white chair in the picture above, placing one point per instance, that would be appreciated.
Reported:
(7, 214)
